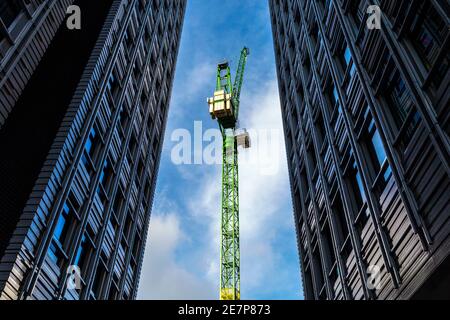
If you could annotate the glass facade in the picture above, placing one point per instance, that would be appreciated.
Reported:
(366, 120)
(92, 192)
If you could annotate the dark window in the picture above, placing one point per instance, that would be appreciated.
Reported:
(106, 175)
(144, 100)
(335, 95)
(297, 19)
(147, 190)
(376, 148)
(113, 292)
(62, 226)
(429, 31)
(374, 144)
(402, 108)
(118, 201)
(81, 258)
(140, 170)
(62, 234)
(329, 254)
(356, 187)
(91, 150)
(128, 228)
(377, 153)
(132, 145)
(317, 264)
(87, 164)
(55, 254)
(400, 102)
(358, 195)
(357, 10)
(123, 119)
(348, 61)
(9, 10)
(309, 289)
(102, 196)
(113, 85)
(100, 274)
(334, 100)
(339, 214)
(312, 158)
(146, 38)
(92, 144)
(377, 144)
(320, 126)
(136, 247)
(347, 56)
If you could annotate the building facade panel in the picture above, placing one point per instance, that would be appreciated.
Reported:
(366, 119)
(88, 209)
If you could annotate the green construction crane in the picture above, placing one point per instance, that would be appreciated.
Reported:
(224, 107)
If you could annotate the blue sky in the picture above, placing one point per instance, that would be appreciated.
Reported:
(182, 254)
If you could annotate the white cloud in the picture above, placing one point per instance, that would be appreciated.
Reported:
(194, 80)
(164, 278)
(200, 77)
(265, 199)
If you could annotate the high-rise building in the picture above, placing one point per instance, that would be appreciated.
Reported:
(82, 119)
(367, 122)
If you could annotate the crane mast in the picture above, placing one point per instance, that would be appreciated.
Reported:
(224, 107)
